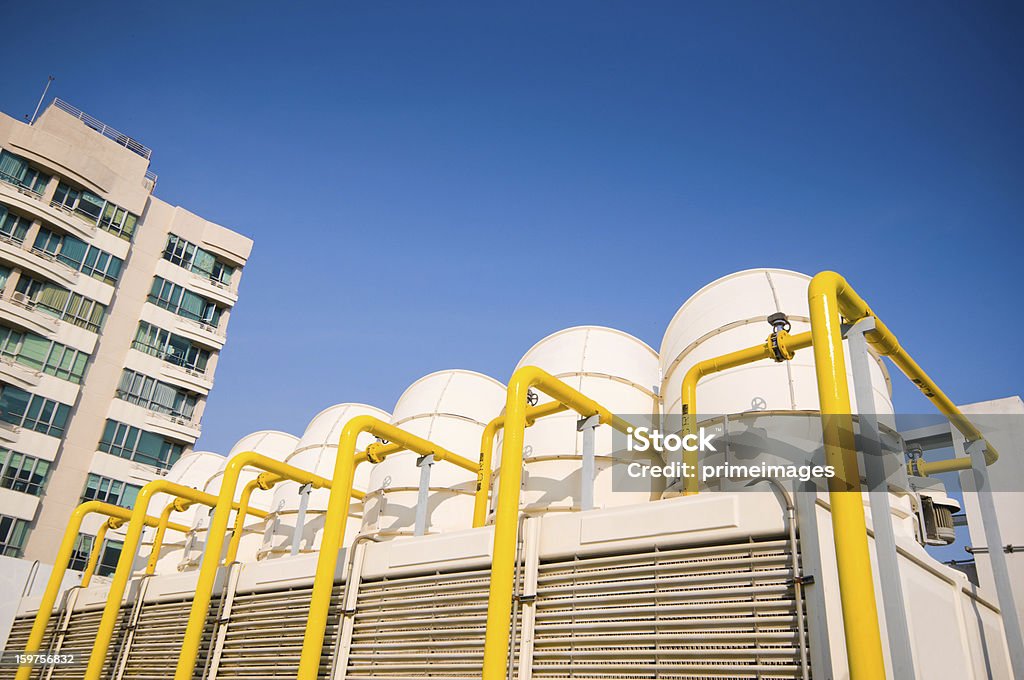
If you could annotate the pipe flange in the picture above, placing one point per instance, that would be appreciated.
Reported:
(373, 452)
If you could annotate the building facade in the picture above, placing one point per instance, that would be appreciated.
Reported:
(113, 311)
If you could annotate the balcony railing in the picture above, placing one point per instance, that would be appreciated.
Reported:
(21, 186)
(105, 130)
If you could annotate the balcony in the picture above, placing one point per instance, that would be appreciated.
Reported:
(21, 311)
(189, 378)
(214, 290)
(33, 204)
(202, 333)
(9, 432)
(37, 262)
(175, 427)
(18, 374)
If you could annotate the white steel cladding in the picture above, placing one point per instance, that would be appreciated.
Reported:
(731, 314)
(451, 409)
(193, 470)
(618, 371)
(316, 452)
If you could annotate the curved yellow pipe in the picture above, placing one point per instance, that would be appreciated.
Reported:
(787, 346)
(483, 477)
(60, 565)
(506, 521)
(337, 511)
(97, 548)
(177, 505)
(136, 521)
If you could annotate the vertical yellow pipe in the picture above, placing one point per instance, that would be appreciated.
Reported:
(97, 548)
(239, 528)
(506, 519)
(60, 565)
(856, 585)
(158, 538)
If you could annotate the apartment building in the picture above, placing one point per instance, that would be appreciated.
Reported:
(113, 311)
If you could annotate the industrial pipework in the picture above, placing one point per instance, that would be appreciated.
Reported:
(60, 566)
(122, 573)
(334, 523)
(483, 478)
(506, 521)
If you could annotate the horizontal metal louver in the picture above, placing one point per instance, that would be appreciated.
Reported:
(264, 634)
(429, 626)
(18, 638)
(725, 611)
(156, 645)
(79, 640)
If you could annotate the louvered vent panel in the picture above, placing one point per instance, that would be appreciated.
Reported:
(429, 626)
(157, 643)
(712, 612)
(79, 639)
(264, 634)
(18, 637)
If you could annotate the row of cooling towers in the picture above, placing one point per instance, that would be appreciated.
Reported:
(451, 408)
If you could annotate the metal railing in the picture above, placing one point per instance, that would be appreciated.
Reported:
(105, 130)
(20, 184)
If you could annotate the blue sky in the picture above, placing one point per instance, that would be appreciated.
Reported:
(439, 185)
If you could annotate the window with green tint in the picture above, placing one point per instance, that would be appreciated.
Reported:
(96, 210)
(108, 490)
(23, 473)
(189, 256)
(17, 171)
(171, 348)
(126, 441)
(183, 302)
(63, 304)
(39, 354)
(80, 552)
(13, 227)
(5, 273)
(32, 411)
(152, 394)
(107, 564)
(13, 532)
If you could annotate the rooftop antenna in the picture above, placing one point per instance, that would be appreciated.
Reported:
(49, 79)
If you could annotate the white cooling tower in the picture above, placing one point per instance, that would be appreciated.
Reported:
(618, 371)
(191, 470)
(270, 443)
(316, 452)
(451, 409)
(731, 314)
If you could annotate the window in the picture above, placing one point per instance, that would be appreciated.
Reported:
(172, 348)
(16, 170)
(13, 532)
(25, 409)
(79, 255)
(193, 258)
(183, 302)
(144, 447)
(13, 227)
(107, 490)
(137, 388)
(94, 209)
(80, 552)
(40, 354)
(58, 301)
(19, 472)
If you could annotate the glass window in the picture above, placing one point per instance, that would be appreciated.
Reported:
(80, 552)
(16, 170)
(23, 409)
(13, 532)
(26, 474)
(193, 258)
(109, 490)
(141, 446)
(13, 227)
(96, 210)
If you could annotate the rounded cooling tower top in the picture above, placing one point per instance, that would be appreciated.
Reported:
(267, 442)
(455, 392)
(195, 468)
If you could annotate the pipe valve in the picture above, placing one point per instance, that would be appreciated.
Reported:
(780, 323)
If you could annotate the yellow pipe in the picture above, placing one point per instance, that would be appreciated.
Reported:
(337, 511)
(97, 548)
(136, 521)
(177, 505)
(853, 561)
(787, 347)
(483, 477)
(60, 565)
(506, 521)
(215, 542)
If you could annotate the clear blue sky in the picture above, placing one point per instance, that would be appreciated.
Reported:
(439, 185)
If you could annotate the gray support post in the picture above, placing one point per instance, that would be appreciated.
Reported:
(878, 495)
(996, 556)
(811, 569)
(424, 463)
(587, 469)
(300, 517)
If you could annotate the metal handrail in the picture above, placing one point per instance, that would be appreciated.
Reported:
(105, 130)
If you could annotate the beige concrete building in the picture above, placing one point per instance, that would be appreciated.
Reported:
(114, 308)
